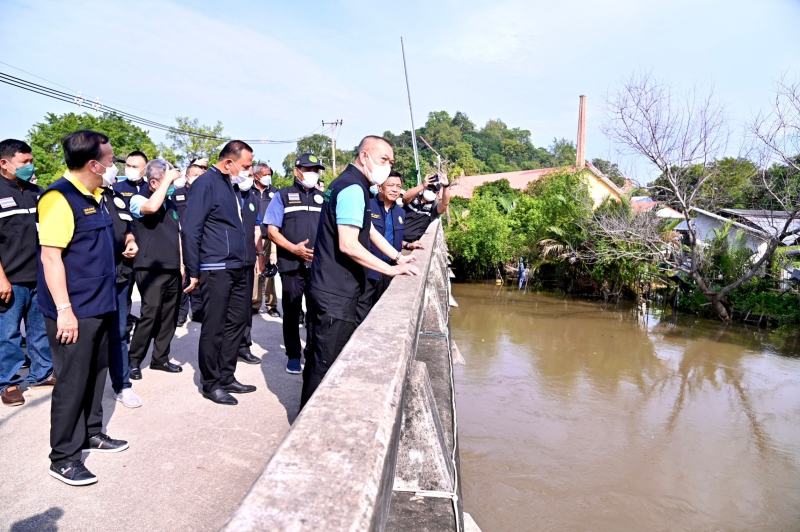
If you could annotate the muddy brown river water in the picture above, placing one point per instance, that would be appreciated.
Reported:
(573, 415)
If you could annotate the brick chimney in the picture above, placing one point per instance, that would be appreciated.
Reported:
(580, 161)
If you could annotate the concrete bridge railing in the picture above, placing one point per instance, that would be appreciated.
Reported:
(376, 447)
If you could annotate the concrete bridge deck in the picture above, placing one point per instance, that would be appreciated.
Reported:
(190, 462)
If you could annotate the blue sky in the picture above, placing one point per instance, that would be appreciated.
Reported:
(276, 69)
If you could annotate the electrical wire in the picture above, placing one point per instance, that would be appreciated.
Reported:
(75, 91)
(96, 105)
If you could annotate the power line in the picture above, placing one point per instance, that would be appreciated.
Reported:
(96, 105)
(75, 91)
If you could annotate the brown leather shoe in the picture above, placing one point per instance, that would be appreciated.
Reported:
(51, 381)
(12, 396)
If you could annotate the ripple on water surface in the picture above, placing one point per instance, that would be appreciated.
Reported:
(578, 416)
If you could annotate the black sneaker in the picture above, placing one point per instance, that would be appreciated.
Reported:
(27, 362)
(101, 443)
(273, 312)
(73, 473)
(181, 321)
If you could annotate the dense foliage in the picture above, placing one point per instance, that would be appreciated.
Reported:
(45, 140)
(472, 150)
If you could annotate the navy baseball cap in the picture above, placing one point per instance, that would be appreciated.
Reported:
(309, 160)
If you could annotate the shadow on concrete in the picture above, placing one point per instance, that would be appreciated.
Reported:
(284, 386)
(46, 521)
(267, 337)
(28, 404)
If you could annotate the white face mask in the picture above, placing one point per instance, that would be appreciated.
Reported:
(109, 175)
(180, 182)
(132, 173)
(429, 195)
(266, 180)
(190, 180)
(236, 179)
(379, 173)
(246, 184)
(310, 179)
(243, 174)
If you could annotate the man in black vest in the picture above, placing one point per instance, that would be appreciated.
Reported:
(292, 218)
(77, 295)
(180, 197)
(341, 254)
(214, 253)
(422, 207)
(127, 185)
(265, 191)
(157, 268)
(18, 267)
(125, 249)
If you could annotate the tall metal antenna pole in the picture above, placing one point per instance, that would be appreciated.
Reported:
(411, 112)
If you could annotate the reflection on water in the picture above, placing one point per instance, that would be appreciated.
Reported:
(579, 416)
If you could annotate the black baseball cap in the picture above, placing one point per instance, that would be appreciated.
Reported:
(309, 160)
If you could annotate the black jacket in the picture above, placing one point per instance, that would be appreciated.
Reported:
(213, 233)
(157, 236)
(123, 224)
(18, 235)
(331, 270)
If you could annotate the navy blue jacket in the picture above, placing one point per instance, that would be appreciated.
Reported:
(212, 229)
(378, 215)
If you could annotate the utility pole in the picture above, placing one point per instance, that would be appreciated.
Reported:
(333, 139)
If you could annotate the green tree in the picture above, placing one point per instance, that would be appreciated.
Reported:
(45, 139)
(610, 170)
(479, 241)
(206, 141)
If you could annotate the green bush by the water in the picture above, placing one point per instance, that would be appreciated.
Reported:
(546, 226)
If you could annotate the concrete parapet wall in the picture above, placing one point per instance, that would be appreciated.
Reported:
(376, 446)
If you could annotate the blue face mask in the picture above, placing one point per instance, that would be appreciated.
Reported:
(171, 190)
(23, 173)
(373, 190)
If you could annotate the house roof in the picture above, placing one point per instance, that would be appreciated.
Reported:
(465, 186)
(745, 228)
(641, 204)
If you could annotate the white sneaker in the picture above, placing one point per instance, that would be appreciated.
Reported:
(128, 398)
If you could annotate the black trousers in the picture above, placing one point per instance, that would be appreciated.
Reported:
(160, 290)
(333, 320)
(247, 340)
(76, 407)
(193, 299)
(226, 304)
(295, 285)
(131, 319)
(373, 291)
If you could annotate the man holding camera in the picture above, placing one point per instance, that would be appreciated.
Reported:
(422, 207)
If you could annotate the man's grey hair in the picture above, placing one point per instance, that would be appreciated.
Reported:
(260, 166)
(156, 168)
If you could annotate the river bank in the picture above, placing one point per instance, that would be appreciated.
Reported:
(575, 415)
